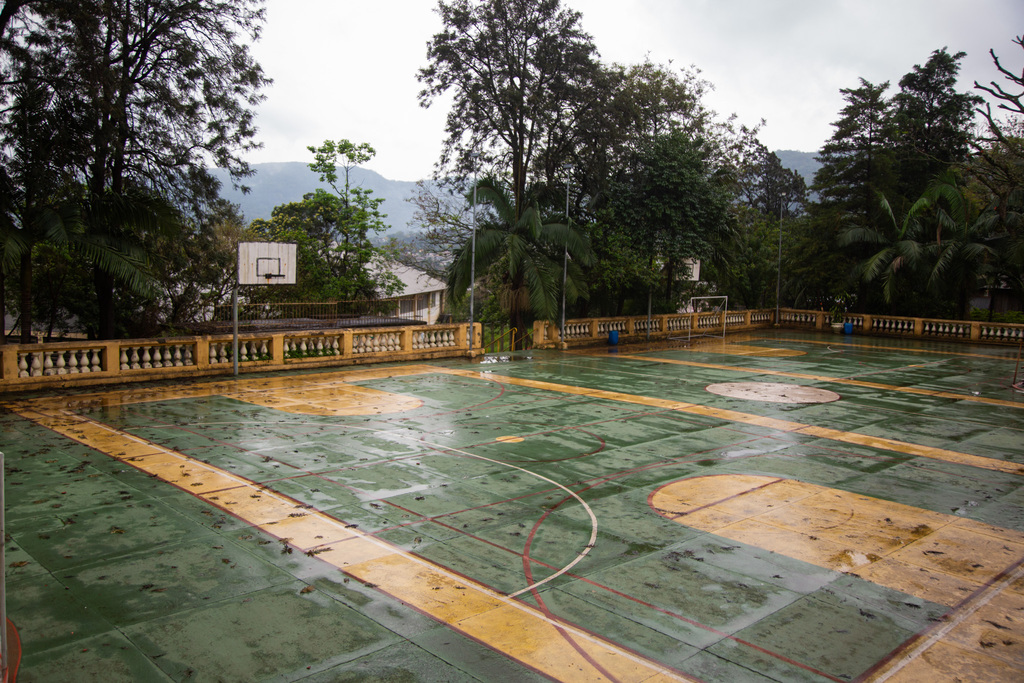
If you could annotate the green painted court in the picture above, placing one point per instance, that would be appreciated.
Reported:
(629, 513)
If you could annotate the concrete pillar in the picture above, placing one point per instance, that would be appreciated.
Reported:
(10, 360)
(202, 355)
(277, 348)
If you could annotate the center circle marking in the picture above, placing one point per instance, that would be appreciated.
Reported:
(773, 392)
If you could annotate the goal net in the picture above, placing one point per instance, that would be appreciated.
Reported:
(710, 319)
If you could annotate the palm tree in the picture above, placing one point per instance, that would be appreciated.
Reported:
(942, 243)
(525, 253)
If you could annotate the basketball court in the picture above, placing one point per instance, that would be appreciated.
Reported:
(774, 507)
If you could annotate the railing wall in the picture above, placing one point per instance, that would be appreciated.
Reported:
(27, 366)
(638, 328)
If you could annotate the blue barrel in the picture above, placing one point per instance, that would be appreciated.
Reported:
(848, 328)
(613, 338)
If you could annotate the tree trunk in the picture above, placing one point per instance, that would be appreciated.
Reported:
(670, 274)
(26, 297)
(105, 298)
(3, 307)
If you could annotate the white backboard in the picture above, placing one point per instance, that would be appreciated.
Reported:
(694, 266)
(266, 263)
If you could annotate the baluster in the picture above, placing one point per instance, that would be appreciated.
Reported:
(23, 365)
(95, 361)
(37, 365)
(123, 359)
(147, 358)
(61, 365)
(135, 358)
(187, 360)
(72, 362)
(48, 364)
(177, 356)
(263, 349)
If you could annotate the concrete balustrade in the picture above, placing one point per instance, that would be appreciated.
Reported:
(28, 366)
(596, 330)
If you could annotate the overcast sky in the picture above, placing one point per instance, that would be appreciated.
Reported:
(347, 68)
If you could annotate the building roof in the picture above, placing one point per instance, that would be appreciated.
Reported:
(416, 281)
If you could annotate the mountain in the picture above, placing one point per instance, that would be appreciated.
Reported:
(279, 183)
(804, 163)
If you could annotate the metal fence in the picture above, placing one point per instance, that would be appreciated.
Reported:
(315, 315)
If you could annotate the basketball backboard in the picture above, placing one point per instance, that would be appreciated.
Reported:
(266, 263)
(694, 266)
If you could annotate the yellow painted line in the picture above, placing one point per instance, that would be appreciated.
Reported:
(974, 568)
(553, 648)
(311, 394)
(251, 390)
(880, 443)
(871, 347)
(729, 349)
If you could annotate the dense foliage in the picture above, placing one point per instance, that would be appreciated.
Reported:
(113, 109)
(911, 211)
(602, 183)
(333, 233)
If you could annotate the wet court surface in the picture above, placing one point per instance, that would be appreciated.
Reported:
(780, 507)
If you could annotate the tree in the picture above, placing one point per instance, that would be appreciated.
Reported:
(517, 70)
(336, 258)
(675, 204)
(999, 152)
(857, 166)
(941, 246)
(933, 122)
(152, 90)
(524, 251)
(750, 272)
(766, 186)
(857, 161)
(449, 225)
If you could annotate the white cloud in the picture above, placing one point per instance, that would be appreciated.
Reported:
(345, 69)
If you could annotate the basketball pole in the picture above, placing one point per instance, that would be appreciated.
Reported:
(3, 579)
(234, 326)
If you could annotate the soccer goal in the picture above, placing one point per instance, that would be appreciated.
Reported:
(709, 321)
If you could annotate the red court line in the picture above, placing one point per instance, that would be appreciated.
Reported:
(676, 516)
(13, 653)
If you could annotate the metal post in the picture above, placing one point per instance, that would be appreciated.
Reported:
(650, 296)
(778, 281)
(234, 323)
(565, 257)
(3, 579)
(472, 260)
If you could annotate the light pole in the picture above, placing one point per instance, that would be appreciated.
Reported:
(565, 257)
(472, 258)
(778, 280)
